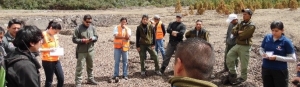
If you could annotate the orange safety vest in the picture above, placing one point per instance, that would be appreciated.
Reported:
(159, 31)
(121, 43)
(49, 42)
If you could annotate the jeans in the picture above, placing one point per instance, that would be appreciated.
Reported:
(160, 46)
(51, 68)
(117, 56)
(81, 60)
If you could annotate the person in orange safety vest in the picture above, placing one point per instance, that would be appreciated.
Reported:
(159, 35)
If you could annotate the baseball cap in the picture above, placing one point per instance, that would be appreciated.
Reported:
(87, 16)
(156, 17)
(248, 11)
(179, 15)
(231, 17)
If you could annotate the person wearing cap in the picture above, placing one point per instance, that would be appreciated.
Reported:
(121, 35)
(85, 36)
(145, 41)
(243, 32)
(176, 30)
(276, 52)
(198, 32)
(160, 33)
(230, 39)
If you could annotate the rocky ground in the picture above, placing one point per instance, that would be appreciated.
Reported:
(105, 20)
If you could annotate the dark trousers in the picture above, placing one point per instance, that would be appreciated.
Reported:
(169, 52)
(51, 68)
(275, 78)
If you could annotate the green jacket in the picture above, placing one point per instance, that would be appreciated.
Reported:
(244, 38)
(203, 34)
(82, 32)
(189, 82)
(145, 35)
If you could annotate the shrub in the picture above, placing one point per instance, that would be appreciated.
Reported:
(191, 8)
(200, 11)
(293, 5)
(178, 8)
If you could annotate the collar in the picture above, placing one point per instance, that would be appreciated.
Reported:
(187, 81)
(9, 35)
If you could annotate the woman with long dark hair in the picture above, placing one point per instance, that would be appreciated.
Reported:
(51, 64)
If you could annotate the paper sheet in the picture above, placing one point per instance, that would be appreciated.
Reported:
(57, 52)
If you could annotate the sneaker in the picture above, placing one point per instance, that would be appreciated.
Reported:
(158, 72)
(116, 79)
(143, 73)
(92, 82)
(125, 77)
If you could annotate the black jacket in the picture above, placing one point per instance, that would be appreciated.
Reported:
(176, 26)
(22, 70)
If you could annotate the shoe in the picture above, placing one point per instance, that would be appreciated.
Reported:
(78, 85)
(232, 78)
(162, 70)
(158, 72)
(92, 82)
(116, 79)
(143, 73)
(125, 77)
(238, 81)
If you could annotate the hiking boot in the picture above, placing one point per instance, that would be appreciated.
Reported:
(116, 79)
(238, 81)
(232, 78)
(143, 73)
(158, 72)
(92, 82)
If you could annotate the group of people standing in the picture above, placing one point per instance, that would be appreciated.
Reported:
(194, 57)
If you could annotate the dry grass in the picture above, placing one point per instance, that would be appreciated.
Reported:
(200, 11)
(278, 6)
(191, 10)
(178, 8)
(293, 5)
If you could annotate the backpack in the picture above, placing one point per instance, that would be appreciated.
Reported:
(2, 67)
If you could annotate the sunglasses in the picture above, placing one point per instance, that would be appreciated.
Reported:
(88, 22)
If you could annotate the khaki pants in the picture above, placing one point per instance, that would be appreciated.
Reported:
(153, 54)
(81, 60)
(241, 51)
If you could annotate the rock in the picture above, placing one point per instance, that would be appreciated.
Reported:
(132, 42)
(66, 32)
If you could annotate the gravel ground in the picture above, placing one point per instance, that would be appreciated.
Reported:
(105, 20)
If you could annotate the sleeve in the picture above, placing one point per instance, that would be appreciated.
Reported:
(188, 34)
(169, 30)
(207, 36)
(163, 29)
(115, 32)
(137, 41)
(248, 33)
(291, 56)
(28, 75)
(76, 38)
(129, 32)
(95, 37)
(262, 46)
(235, 30)
(182, 31)
(154, 36)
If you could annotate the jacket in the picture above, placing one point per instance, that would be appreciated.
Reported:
(22, 70)
(230, 38)
(244, 38)
(145, 37)
(179, 28)
(82, 32)
(203, 34)
(7, 44)
(189, 82)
